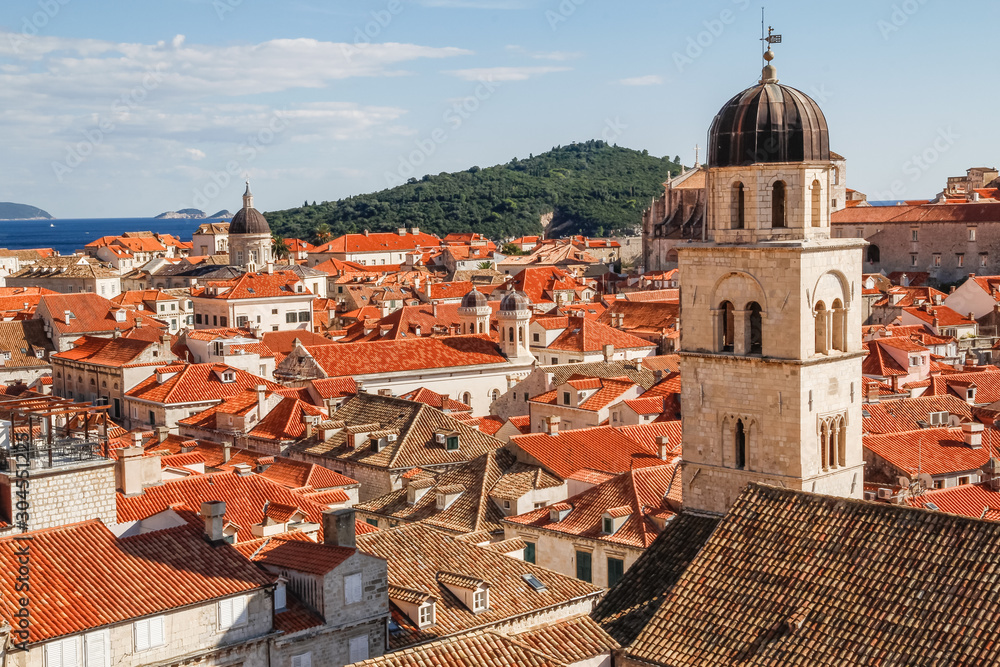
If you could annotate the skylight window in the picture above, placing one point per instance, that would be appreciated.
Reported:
(250, 290)
(534, 582)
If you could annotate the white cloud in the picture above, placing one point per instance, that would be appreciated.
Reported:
(195, 154)
(545, 55)
(648, 80)
(504, 73)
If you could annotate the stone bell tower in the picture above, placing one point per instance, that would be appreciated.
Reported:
(771, 343)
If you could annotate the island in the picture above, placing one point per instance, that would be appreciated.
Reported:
(12, 211)
(193, 213)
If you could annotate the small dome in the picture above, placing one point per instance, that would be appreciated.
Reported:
(514, 301)
(768, 123)
(249, 221)
(474, 299)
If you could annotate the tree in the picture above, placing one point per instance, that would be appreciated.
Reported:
(321, 234)
(485, 266)
(280, 247)
(511, 249)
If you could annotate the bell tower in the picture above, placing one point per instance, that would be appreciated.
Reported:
(771, 343)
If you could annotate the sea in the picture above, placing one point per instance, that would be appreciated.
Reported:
(68, 236)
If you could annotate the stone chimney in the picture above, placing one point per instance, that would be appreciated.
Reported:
(662, 444)
(128, 471)
(261, 401)
(972, 433)
(307, 421)
(270, 267)
(872, 394)
(67, 316)
(609, 352)
(214, 514)
(553, 425)
(339, 529)
(227, 452)
(161, 433)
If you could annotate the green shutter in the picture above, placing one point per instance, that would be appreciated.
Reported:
(616, 568)
(529, 552)
(583, 569)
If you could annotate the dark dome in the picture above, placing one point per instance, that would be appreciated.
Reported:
(768, 123)
(474, 299)
(249, 221)
(515, 301)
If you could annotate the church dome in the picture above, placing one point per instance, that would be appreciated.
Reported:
(515, 301)
(249, 220)
(768, 122)
(474, 299)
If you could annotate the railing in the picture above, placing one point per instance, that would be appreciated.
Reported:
(65, 451)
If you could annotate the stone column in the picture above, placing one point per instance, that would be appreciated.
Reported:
(741, 332)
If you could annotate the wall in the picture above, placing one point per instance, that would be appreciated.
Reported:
(68, 494)
(558, 552)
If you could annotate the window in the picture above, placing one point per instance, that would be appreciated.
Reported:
(616, 569)
(352, 588)
(913, 260)
(372, 522)
(820, 314)
(741, 445)
(280, 596)
(215, 320)
(525, 397)
(960, 259)
(506, 504)
(425, 616)
(583, 569)
(608, 525)
(778, 204)
(937, 259)
(304, 316)
(529, 552)
(755, 338)
(148, 632)
(197, 318)
(97, 648)
(982, 259)
(914, 234)
(555, 360)
(972, 233)
(274, 311)
(739, 206)
(452, 443)
(242, 321)
(223, 321)
(534, 337)
(480, 600)
(874, 256)
(290, 318)
(303, 659)
(727, 324)
(232, 612)
(358, 648)
(817, 215)
(963, 480)
(63, 653)
(565, 398)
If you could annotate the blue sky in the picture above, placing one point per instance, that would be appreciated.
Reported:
(111, 108)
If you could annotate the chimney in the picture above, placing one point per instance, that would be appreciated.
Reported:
(117, 333)
(129, 471)
(609, 352)
(872, 393)
(270, 268)
(243, 469)
(227, 452)
(415, 230)
(366, 232)
(138, 323)
(214, 514)
(553, 425)
(972, 433)
(161, 433)
(261, 401)
(137, 439)
(339, 529)
(307, 421)
(662, 442)
(67, 315)
(401, 231)
(638, 364)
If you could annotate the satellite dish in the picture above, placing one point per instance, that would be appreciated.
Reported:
(925, 480)
(903, 481)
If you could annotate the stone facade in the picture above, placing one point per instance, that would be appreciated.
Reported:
(65, 494)
(557, 551)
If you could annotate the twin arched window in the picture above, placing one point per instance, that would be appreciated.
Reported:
(833, 442)
(831, 333)
(745, 339)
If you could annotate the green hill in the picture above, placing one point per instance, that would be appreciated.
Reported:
(590, 188)
(12, 211)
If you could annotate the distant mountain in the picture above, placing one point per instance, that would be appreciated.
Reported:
(183, 213)
(12, 211)
(588, 188)
(221, 214)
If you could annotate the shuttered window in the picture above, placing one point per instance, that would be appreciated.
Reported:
(616, 568)
(232, 612)
(148, 633)
(359, 648)
(583, 566)
(63, 653)
(352, 588)
(302, 660)
(529, 552)
(97, 648)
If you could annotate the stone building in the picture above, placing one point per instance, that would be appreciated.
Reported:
(677, 216)
(249, 236)
(772, 319)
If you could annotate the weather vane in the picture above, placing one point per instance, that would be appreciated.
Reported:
(770, 38)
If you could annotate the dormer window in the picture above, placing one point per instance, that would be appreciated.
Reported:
(608, 526)
(559, 511)
(425, 614)
(481, 600)
(452, 443)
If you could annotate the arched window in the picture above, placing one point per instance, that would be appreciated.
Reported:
(824, 437)
(467, 398)
(510, 332)
(496, 394)
(831, 444)
(822, 345)
(816, 208)
(741, 445)
(520, 334)
(839, 326)
(874, 255)
(480, 327)
(778, 204)
(755, 337)
(739, 206)
(727, 325)
(841, 442)
(836, 176)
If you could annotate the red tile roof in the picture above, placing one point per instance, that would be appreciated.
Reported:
(902, 414)
(379, 242)
(585, 335)
(436, 400)
(635, 494)
(114, 352)
(608, 392)
(254, 286)
(91, 314)
(298, 474)
(601, 448)
(293, 553)
(82, 577)
(945, 316)
(197, 383)
(935, 451)
(980, 501)
(389, 356)
(987, 385)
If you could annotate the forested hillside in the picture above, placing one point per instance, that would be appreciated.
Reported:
(591, 188)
